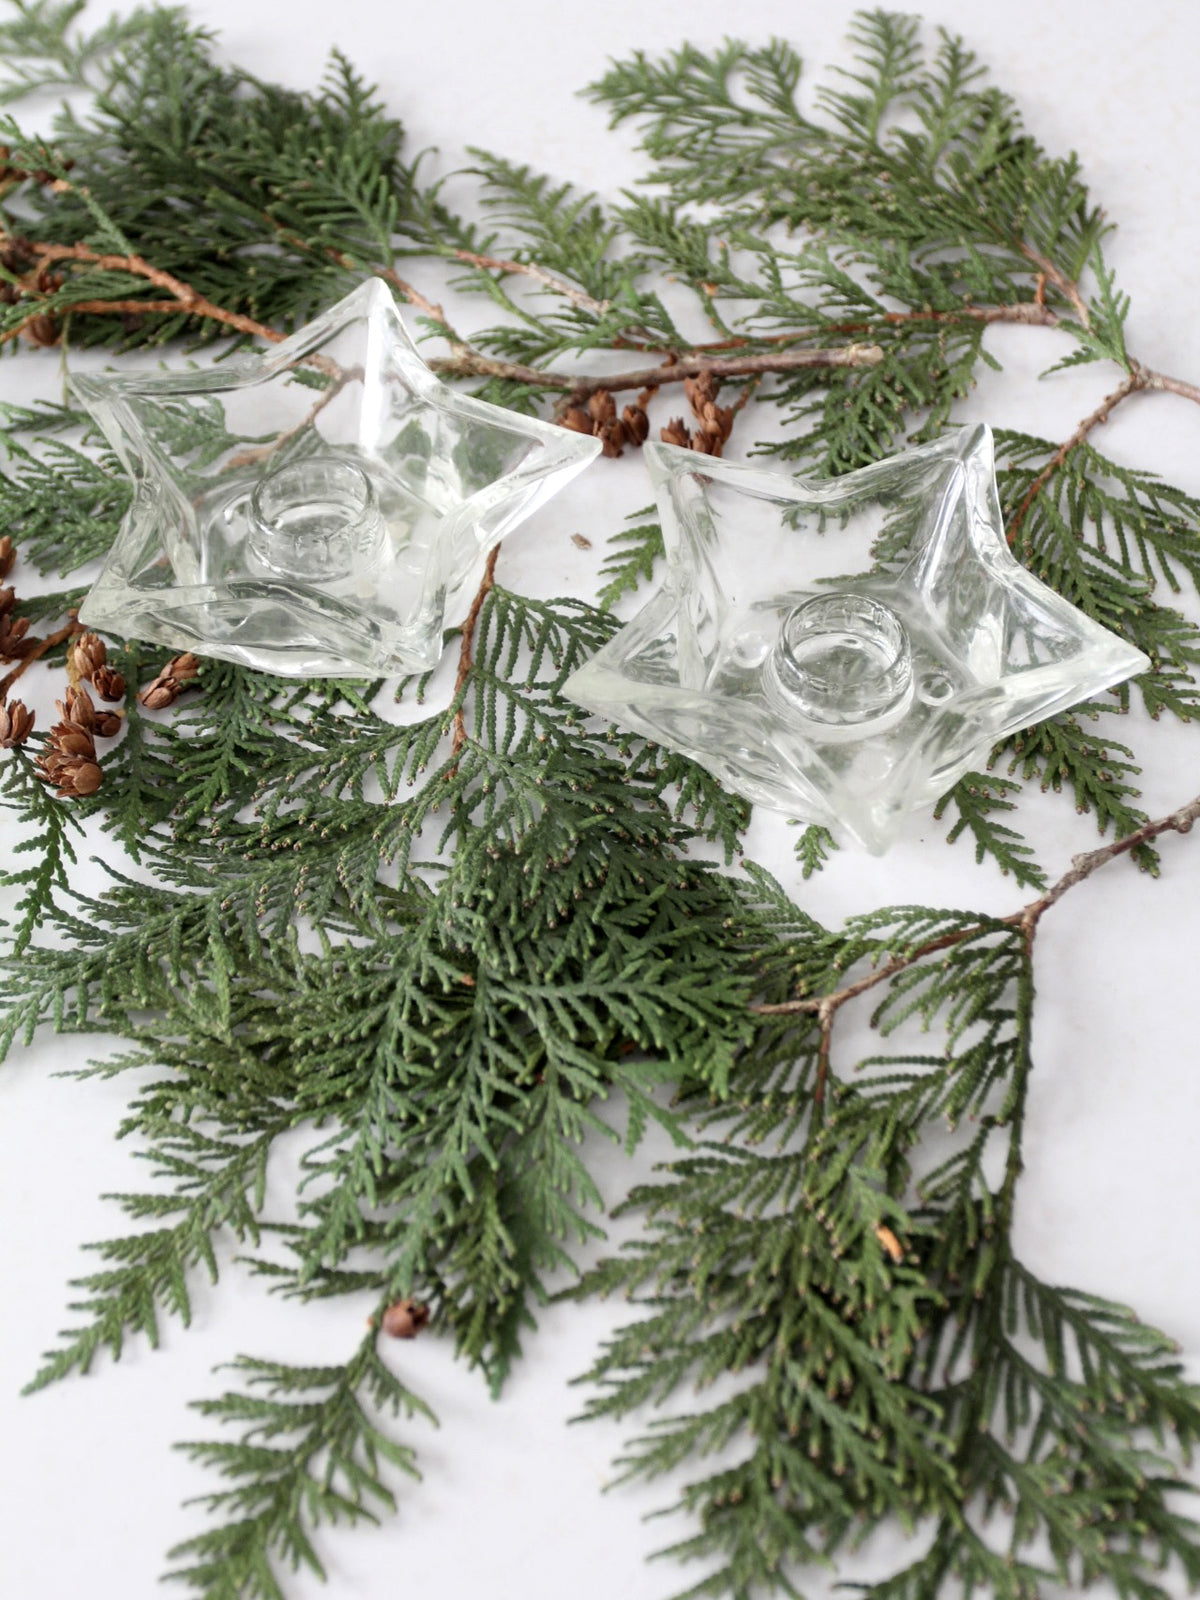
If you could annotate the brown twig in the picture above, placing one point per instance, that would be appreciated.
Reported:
(530, 269)
(1133, 382)
(1168, 385)
(1067, 287)
(580, 385)
(185, 298)
(117, 307)
(1030, 313)
(389, 275)
(825, 1007)
(466, 650)
(37, 652)
(1139, 380)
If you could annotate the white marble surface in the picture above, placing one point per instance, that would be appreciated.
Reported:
(90, 1490)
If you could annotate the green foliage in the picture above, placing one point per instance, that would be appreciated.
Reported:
(447, 948)
(631, 559)
(41, 48)
(268, 201)
(311, 1452)
(59, 503)
(218, 1185)
(977, 798)
(813, 847)
(1094, 769)
(449, 1043)
(50, 825)
(894, 1358)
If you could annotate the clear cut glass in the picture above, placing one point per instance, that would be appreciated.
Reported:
(322, 508)
(844, 650)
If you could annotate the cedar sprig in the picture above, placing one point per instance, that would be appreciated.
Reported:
(442, 952)
(311, 1451)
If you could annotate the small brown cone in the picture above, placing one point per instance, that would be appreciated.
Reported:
(79, 708)
(182, 668)
(161, 693)
(637, 424)
(43, 330)
(611, 434)
(602, 407)
(109, 685)
(16, 723)
(577, 419)
(88, 655)
(405, 1319)
(13, 643)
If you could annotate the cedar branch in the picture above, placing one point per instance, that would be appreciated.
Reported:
(184, 296)
(1028, 313)
(530, 269)
(1067, 287)
(1138, 380)
(583, 384)
(825, 1007)
(1132, 383)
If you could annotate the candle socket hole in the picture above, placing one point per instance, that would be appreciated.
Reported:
(844, 662)
(314, 519)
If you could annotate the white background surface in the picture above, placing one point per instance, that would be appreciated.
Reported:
(510, 1506)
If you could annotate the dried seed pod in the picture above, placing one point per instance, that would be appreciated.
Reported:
(13, 643)
(611, 434)
(701, 391)
(16, 255)
(577, 419)
(87, 654)
(637, 424)
(8, 599)
(108, 724)
(109, 685)
(79, 708)
(72, 776)
(602, 407)
(72, 741)
(676, 432)
(182, 668)
(405, 1319)
(16, 723)
(161, 693)
(43, 330)
(8, 554)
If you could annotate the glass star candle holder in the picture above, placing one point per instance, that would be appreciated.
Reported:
(844, 650)
(323, 508)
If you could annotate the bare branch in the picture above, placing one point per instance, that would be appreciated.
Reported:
(530, 269)
(1136, 380)
(1067, 287)
(824, 1007)
(693, 366)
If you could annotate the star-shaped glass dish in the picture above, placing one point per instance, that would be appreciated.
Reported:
(844, 650)
(323, 508)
